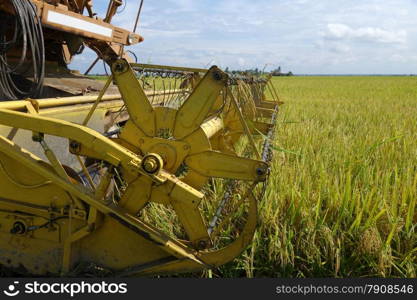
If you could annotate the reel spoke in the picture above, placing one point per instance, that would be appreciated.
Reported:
(195, 109)
(217, 164)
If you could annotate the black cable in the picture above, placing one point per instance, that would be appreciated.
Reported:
(27, 36)
(133, 54)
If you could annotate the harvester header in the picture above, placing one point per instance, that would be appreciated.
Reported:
(156, 170)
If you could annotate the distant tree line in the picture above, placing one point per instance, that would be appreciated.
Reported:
(257, 72)
(278, 72)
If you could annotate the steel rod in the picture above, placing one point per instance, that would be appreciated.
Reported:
(138, 16)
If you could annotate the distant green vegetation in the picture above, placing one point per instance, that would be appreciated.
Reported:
(98, 77)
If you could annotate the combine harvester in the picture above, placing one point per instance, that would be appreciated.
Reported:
(157, 171)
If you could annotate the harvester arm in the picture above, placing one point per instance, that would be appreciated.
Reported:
(118, 213)
(100, 147)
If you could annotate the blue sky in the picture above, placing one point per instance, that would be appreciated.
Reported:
(304, 36)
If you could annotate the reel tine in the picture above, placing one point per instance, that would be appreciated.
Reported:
(163, 88)
(174, 90)
(181, 96)
(169, 93)
(154, 90)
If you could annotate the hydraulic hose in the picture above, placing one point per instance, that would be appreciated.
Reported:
(24, 77)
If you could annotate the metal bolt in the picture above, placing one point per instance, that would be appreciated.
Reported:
(202, 244)
(119, 67)
(37, 137)
(260, 171)
(151, 163)
(75, 147)
(74, 144)
(91, 227)
(217, 75)
(18, 228)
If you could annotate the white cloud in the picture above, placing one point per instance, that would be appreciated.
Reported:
(241, 61)
(169, 33)
(372, 34)
(340, 48)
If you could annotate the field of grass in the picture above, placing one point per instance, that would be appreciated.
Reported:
(341, 201)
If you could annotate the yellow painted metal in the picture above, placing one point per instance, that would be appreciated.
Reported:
(53, 217)
(85, 172)
(163, 155)
(20, 105)
(100, 192)
(265, 112)
(185, 202)
(214, 258)
(118, 213)
(140, 109)
(172, 152)
(256, 127)
(244, 124)
(195, 109)
(217, 164)
(99, 97)
(212, 126)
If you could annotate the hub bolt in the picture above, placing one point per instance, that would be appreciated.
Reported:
(152, 163)
(18, 228)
